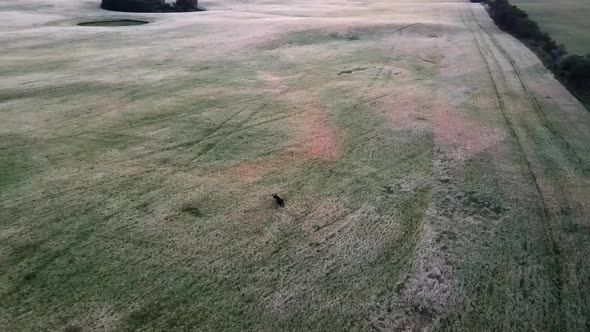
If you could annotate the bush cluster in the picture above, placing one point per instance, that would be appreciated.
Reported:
(148, 6)
(576, 69)
(573, 70)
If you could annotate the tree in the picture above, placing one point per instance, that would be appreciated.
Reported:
(186, 5)
(577, 69)
(147, 6)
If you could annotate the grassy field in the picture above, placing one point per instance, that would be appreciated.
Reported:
(435, 175)
(566, 21)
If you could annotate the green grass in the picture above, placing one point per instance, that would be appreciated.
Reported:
(136, 176)
(166, 250)
(565, 21)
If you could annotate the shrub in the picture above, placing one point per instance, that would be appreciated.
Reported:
(514, 20)
(186, 5)
(576, 69)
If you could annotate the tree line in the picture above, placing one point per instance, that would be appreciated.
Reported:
(573, 70)
(148, 6)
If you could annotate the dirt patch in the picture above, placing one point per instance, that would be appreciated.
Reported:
(193, 211)
(402, 109)
(350, 71)
(467, 138)
(578, 189)
(72, 328)
(255, 169)
(325, 214)
(274, 83)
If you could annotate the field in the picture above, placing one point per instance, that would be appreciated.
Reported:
(436, 176)
(566, 21)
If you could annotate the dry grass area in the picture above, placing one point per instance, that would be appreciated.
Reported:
(436, 176)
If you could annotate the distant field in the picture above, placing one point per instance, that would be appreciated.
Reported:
(567, 21)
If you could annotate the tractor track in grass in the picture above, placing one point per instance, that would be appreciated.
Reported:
(549, 200)
(509, 124)
(363, 100)
(213, 134)
(238, 127)
(547, 215)
(536, 105)
(575, 160)
(556, 186)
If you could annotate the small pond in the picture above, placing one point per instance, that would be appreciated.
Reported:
(113, 23)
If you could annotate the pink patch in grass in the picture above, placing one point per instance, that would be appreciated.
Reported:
(273, 83)
(253, 170)
(313, 135)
